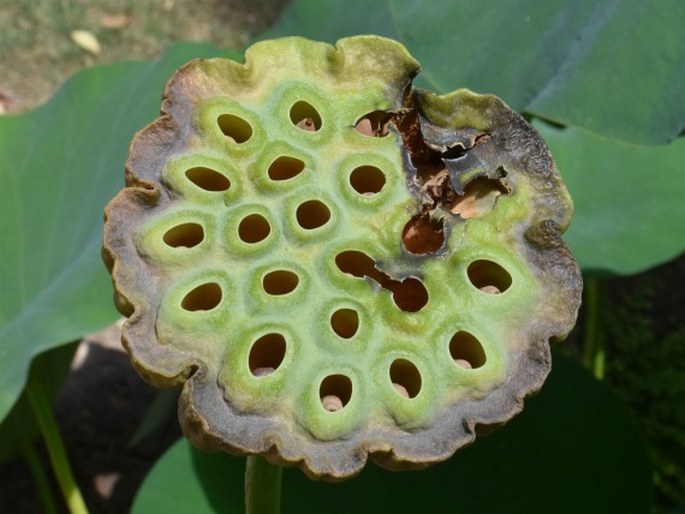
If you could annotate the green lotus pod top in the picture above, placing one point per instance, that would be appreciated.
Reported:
(335, 265)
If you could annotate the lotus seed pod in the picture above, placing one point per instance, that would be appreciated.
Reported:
(335, 265)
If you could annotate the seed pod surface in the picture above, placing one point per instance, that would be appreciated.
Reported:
(336, 265)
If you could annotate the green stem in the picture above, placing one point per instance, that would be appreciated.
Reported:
(40, 478)
(42, 409)
(262, 486)
(594, 351)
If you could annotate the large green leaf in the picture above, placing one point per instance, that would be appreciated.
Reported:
(186, 480)
(573, 449)
(614, 67)
(628, 199)
(59, 165)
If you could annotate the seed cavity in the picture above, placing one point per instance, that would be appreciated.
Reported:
(280, 282)
(305, 117)
(203, 298)
(345, 322)
(405, 378)
(335, 392)
(185, 235)
(253, 228)
(410, 295)
(312, 214)
(208, 179)
(423, 235)
(466, 350)
(374, 124)
(367, 180)
(235, 128)
(488, 276)
(285, 168)
(267, 354)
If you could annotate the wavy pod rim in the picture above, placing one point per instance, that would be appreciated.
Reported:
(463, 162)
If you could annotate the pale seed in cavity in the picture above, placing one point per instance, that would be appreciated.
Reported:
(364, 127)
(463, 363)
(261, 372)
(331, 403)
(401, 390)
(306, 124)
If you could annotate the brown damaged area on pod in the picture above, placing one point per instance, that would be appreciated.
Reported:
(521, 151)
(443, 139)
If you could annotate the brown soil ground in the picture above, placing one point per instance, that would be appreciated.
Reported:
(38, 52)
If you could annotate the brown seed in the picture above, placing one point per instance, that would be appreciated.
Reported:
(331, 403)
(463, 363)
(401, 390)
(490, 289)
(306, 124)
(115, 21)
(261, 372)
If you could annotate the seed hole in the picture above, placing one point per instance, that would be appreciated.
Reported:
(312, 214)
(208, 179)
(285, 168)
(355, 263)
(466, 350)
(345, 322)
(253, 228)
(423, 235)
(410, 295)
(280, 282)
(374, 124)
(335, 392)
(483, 273)
(305, 117)
(203, 298)
(367, 180)
(267, 354)
(405, 378)
(235, 128)
(186, 235)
